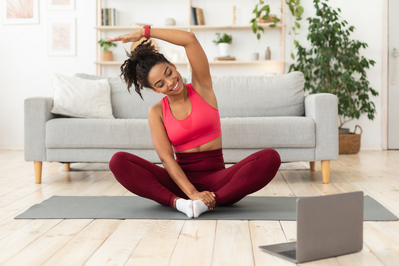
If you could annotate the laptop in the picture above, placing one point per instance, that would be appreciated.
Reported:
(327, 226)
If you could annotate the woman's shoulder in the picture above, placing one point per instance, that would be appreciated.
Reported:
(156, 109)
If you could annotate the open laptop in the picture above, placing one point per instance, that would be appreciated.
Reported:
(327, 226)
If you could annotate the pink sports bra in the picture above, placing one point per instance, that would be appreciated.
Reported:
(201, 126)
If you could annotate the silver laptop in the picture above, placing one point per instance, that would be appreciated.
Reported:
(327, 226)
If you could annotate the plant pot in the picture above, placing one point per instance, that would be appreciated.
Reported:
(350, 143)
(106, 56)
(269, 20)
(343, 131)
(224, 49)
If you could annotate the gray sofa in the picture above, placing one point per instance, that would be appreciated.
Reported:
(257, 112)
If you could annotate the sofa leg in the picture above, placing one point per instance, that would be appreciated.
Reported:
(325, 171)
(67, 167)
(38, 171)
(312, 166)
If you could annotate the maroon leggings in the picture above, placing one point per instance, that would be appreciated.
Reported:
(205, 170)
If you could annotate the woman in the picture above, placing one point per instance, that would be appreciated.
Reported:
(187, 119)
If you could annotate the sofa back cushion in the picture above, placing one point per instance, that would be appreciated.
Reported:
(125, 105)
(238, 96)
(260, 96)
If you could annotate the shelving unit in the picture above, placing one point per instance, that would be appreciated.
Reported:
(192, 28)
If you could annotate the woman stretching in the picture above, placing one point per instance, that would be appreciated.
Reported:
(187, 119)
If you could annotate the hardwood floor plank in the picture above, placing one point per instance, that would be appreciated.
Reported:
(382, 239)
(195, 244)
(83, 245)
(157, 245)
(232, 244)
(15, 241)
(300, 186)
(117, 248)
(266, 233)
(35, 255)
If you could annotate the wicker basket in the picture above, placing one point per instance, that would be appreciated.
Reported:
(350, 143)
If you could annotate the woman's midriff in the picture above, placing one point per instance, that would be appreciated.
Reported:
(212, 145)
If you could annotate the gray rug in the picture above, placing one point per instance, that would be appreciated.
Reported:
(133, 207)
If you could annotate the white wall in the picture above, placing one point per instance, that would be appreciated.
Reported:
(24, 59)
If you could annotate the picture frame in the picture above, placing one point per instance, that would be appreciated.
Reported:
(61, 36)
(61, 5)
(20, 12)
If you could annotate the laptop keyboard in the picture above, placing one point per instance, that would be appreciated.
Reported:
(290, 253)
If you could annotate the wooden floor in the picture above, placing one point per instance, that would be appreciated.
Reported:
(190, 242)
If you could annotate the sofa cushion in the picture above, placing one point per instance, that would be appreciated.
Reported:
(239, 132)
(268, 132)
(125, 105)
(95, 133)
(260, 96)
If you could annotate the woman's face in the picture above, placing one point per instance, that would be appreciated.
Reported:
(165, 79)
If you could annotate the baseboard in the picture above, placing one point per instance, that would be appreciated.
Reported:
(12, 148)
(371, 148)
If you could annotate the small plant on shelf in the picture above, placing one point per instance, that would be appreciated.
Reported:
(106, 55)
(224, 39)
(106, 45)
(224, 43)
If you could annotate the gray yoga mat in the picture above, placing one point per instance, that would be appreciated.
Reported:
(133, 207)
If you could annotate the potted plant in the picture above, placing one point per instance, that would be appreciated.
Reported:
(334, 65)
(106, 55)
(293, 5)
(224, 43)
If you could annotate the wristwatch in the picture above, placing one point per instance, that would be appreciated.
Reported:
(147, 31)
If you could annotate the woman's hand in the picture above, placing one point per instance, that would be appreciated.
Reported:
(130, 37)
(206, 197)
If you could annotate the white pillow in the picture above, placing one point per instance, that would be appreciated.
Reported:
(77, 97)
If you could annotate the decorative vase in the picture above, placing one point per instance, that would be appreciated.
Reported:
(255, 56)
(224, 49)
(106, 56)
(267, 54)
(170, 22)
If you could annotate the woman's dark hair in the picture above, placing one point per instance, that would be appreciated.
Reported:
(135, 69)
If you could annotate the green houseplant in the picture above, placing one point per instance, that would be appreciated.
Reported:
(106, 55)
(224, 43)
(293, 5)
(334, 65)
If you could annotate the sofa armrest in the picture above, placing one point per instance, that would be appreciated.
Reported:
(323, 109)
(37, 113)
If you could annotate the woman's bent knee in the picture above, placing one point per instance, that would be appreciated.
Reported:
(117, 158)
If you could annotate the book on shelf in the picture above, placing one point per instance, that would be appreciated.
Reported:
(225, 58)
(108, 17)
(197, 16)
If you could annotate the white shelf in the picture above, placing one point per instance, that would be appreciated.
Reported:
(119, 63)
(280, 26)
(191, 27)
(258, 62)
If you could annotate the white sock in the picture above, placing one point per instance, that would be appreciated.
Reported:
(199, 208)
(185, 206)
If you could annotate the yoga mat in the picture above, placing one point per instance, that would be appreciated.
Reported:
(133, 207)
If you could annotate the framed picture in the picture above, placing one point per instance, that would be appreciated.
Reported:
(60, 5)
(61, 37)
(20, 11)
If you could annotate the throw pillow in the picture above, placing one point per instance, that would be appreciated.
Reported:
(77, 97)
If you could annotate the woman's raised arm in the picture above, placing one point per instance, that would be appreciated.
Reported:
(195, 54)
